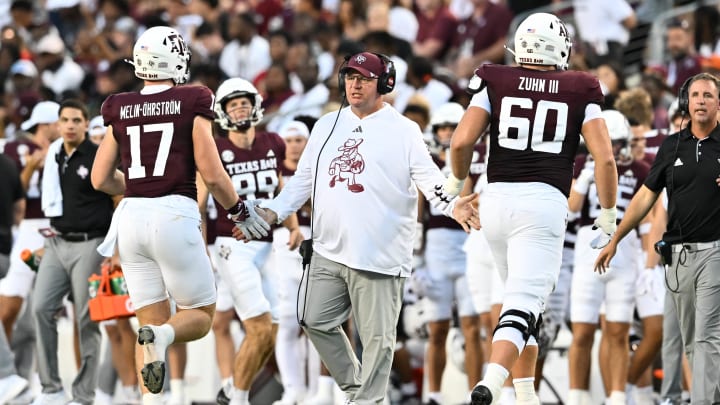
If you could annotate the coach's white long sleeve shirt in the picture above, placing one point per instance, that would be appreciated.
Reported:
(365, 179)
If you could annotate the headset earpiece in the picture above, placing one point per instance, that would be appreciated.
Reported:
(386, 81)
(684, 97)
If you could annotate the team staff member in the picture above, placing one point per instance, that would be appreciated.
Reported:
(687, 167)
(364, 169)
(70, 256)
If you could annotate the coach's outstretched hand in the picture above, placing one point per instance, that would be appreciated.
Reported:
(249, 221)
(465, 213)
(257, 223)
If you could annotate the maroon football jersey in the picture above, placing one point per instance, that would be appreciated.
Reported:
(17, 150)
(536, 120)
(303, 214)
(630, 177)
(254, 172)
(653, 140)
(437, 219)
(154, 133)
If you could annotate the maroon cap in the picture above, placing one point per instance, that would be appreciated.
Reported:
(367, 63)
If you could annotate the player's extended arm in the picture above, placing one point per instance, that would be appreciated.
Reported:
(598, 144)
(105, 176)
(469, 129)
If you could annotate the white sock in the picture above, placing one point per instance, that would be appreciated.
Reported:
(618, 398)
(507, 396)
(227, 384)
(177, 390)
(325, 386)
(525, 391)
(494, 379)
(164, 337)
(152, 399)
(435, 396)
(644, 395)
(239, 397)
(289, 357)
(578, 397)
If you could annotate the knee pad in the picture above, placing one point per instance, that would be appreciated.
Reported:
(522, 321)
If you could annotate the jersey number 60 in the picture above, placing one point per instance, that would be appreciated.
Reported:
(532, 137)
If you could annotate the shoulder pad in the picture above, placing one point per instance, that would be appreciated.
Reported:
(475, 85)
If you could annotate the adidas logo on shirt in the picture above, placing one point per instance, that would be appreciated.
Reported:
(358, 129)
(270, 153)
(678, 162)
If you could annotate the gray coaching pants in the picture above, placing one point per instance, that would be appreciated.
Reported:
(334, 292)
(697, 302)
(64, 269)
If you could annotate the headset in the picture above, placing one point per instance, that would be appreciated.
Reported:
(386, 81)
(684, 98)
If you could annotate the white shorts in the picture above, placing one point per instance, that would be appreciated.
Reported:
(524, 224)
(162, 252)
(19, 279)
(445, 261)
(250, 277)
(224, 299)
(480, 268)
(652, 303)
(615, 288)
(288, 267)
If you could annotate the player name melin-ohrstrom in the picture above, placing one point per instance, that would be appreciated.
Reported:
(171, 107)
(535, 84)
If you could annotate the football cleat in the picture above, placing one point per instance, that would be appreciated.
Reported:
(481, 395)
(153, 372)
(222, 398)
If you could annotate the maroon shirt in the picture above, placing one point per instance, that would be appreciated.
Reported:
(437, 219)
(154, 133)
(485, 30)
(254, 172)
(535, 122)
(441, 26)
(630, 178)
(653, 140)
(17, 150)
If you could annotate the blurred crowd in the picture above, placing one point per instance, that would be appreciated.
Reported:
(290, 51)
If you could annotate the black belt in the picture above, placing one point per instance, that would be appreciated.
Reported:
(81, 236)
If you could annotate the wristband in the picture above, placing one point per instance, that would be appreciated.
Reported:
(236, 208)
(453, 185)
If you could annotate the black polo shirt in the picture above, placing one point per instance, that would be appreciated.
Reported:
(10, 191)
(688, 168)
(84, 208)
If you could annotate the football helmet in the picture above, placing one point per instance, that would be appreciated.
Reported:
(542, 39)
(448, 114)
(160, 54)
(619, 129)
(234, 88)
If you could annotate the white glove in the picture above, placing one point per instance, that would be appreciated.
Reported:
(606, 222)
(252, 225)
(586, 176)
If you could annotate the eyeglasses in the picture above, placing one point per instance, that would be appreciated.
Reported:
(362, 79)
